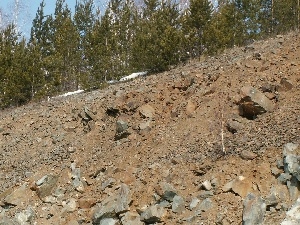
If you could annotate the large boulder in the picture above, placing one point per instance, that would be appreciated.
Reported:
(254, 102)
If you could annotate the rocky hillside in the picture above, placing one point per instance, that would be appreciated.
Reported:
(210, 142)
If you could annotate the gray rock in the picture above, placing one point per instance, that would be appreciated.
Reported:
(124, 199)
(293, 215)
(70, 205)
(76, 178)
(8, 221)
(113, 205)
(291, 149)
(46, 185)
(254, 210)
(205, 194)
(105, 210)
(254, 102)
(25, 217)
(178, 204)
(291, 160)
(166, 191)
(204, 206)
(293, 185)
(207, 185)
(108, 183)
(121, 129)
(153, 214)
(121, 126)
(131, 218)
(194, 203)
(284, 177)
(109, 221)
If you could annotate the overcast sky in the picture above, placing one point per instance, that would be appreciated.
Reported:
(27, 10)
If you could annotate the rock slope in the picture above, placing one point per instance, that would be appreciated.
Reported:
(214, 141)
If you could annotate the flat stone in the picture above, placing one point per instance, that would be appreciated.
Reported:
(146, 111)
(18, 196)
(241, 186)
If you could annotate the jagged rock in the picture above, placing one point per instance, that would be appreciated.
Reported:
(253, 103)
(293, 215)
(178, 204)
(76, 178)
(113, 205)
(45, 185)
(131, 218)
(194, 203)
(291, 159)
(70, 205)
(254, 210)
(108, 183)
(166, 191)
(204, 206)
(293, 185)
(124, 199)
(284, 177)
(105, 210)
(153, 214)
(146, 111)
(206, 185)
(121, 129)
(25, 217)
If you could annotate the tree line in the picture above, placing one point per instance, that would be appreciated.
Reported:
(85, 49)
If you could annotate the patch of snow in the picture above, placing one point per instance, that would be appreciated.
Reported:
(133, 75)
(69, 93)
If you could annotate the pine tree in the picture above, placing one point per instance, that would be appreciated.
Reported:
(66, 57)
(84, 19)
(14, 78)
(197, 24)
(158, 43)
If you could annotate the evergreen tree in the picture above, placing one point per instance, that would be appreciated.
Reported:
(159, 37)
(14, 78)
(197, 26)
(66, 57)
(84, 19)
